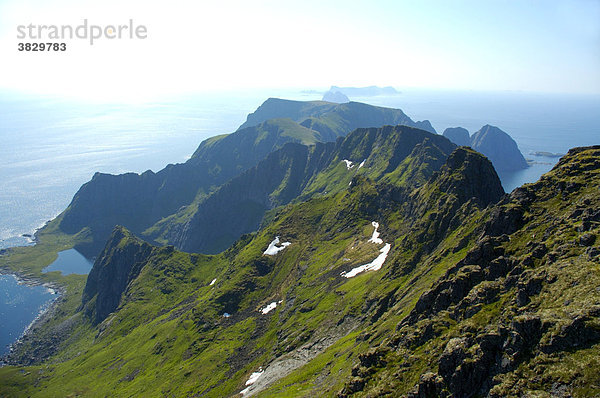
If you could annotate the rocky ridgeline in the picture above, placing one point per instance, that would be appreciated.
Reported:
(527, 278)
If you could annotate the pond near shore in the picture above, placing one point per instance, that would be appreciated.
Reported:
(70, 262)
(21, 303)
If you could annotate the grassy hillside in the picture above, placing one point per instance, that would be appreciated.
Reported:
(171, 333)
(467, 292)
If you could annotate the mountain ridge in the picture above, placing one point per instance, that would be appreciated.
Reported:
(471, 276)
(143, 202)
(293, 173)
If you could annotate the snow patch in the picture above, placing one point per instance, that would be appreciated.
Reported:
(375, 238)
(273, 249)
(213, 282)
(349, 164)
(269, 308)
(251, 380)
(372, 266)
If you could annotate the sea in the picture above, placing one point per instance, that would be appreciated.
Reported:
(50, 146)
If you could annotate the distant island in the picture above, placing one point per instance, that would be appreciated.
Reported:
(494, 143)
(370, 91)
(335, 97)
(546, 154)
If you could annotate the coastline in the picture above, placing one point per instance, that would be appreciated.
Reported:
(55, 289)
(44, 314)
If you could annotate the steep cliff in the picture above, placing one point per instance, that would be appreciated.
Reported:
(119, 263)
(458, 135)
(499, 147)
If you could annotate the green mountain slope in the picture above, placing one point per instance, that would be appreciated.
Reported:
(297, 171)
(478, 293)
(332, 120)
(140, 201)
(518, 314)
(170, 332)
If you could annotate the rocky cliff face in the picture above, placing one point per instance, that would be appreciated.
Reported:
(469, 176)
(119, 263)
(137, 201)
(494, 143)
(458, 135)
(499, 147)
(239, 206)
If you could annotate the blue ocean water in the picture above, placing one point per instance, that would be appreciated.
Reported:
(70, 262)
(50, 146)
(19, 305)
(537, 122)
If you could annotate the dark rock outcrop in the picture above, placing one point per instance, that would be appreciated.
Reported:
(499, 147)
(119, 263)
(468, 175)
(458, 135)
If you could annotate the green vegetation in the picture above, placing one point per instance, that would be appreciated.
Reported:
(481, 293)
(159, 205)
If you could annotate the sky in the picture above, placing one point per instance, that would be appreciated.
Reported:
(195, 46)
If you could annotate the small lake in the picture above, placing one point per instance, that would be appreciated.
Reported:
(20, 304)
(70, 262)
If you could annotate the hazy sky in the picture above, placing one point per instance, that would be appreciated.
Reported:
(528, 45)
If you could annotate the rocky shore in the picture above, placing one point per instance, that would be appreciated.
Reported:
(14, 357)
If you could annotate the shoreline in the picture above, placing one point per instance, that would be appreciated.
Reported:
(47, 309)
(30, 237)
(55, 289)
